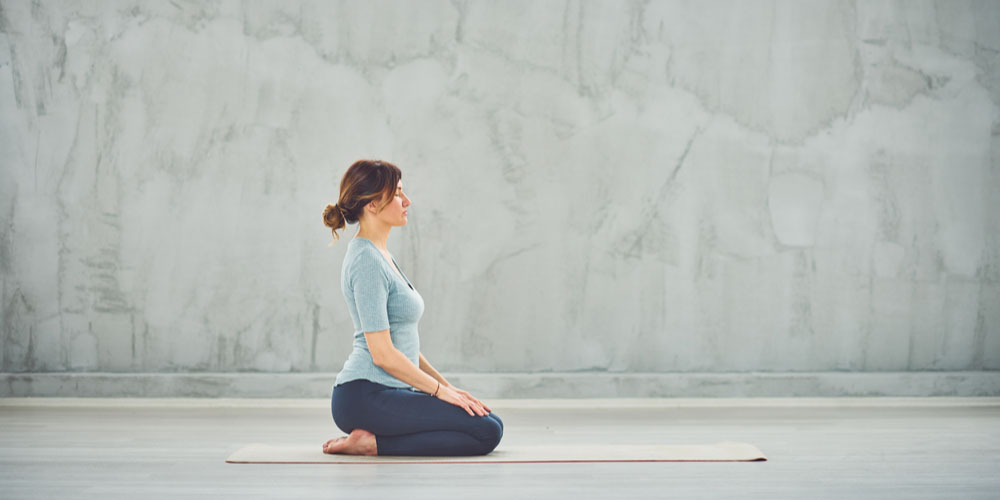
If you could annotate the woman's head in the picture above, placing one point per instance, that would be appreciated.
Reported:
(370, 190)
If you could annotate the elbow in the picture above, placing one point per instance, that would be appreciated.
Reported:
(380, 360)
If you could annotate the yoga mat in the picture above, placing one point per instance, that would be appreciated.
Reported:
(723, 451)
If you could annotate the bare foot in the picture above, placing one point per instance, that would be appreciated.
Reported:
(359, 442)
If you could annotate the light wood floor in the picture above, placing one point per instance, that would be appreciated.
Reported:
(817, 448)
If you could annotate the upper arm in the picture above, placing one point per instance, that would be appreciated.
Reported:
(371, 297)
(370, 286)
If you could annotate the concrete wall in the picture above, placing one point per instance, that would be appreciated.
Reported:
(597, 186)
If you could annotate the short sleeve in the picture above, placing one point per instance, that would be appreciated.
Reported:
(371, 292)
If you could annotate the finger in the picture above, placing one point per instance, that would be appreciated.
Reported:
(478, 411)
(465, 404)
(469, 411)
(486, 408)
(479, 407)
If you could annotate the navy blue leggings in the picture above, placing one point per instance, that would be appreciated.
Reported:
(413, 423)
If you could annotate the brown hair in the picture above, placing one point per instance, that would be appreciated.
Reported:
(364, 181)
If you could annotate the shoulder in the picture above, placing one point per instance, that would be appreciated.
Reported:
(364, 260)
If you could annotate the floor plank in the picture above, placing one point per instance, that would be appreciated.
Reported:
(924, 448)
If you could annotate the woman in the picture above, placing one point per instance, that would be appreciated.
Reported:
(388, 398)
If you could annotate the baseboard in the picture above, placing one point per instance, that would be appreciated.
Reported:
(516, 385)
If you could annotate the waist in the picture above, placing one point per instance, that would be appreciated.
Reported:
(366, 386)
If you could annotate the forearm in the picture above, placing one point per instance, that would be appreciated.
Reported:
(426, 367)
(398, 365)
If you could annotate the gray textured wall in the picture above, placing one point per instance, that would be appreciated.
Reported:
(630, 187)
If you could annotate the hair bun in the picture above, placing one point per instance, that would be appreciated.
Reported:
(329, 215)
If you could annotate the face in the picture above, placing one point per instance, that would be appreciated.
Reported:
(394, 214)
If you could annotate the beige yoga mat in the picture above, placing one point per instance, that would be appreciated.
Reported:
(724, 451)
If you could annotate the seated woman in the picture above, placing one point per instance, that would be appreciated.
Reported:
(388, 398)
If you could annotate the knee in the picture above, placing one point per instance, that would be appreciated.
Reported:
(495, 417)
(490, 434)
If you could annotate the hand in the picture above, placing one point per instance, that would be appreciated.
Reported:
(463, 400)
(466, 394)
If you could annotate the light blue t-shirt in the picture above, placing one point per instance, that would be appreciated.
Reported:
(378, 299)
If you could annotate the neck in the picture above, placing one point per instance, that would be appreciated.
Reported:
(376, 232)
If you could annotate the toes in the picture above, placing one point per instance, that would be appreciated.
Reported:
(331, 444)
